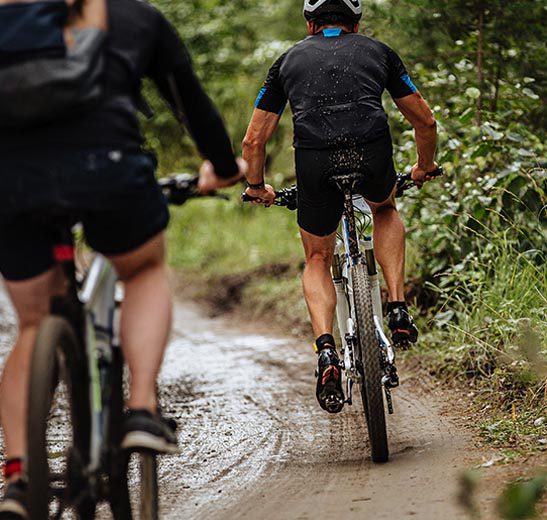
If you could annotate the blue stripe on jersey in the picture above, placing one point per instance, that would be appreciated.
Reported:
(408, 81)
(260, 96)
(332, 32)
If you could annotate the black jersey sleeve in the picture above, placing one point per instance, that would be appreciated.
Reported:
(399, 84)
(171, 70)
(272, 97)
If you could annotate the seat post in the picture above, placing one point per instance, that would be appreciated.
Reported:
(346, 183)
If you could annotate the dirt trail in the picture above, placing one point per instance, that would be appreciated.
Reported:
(255, 445)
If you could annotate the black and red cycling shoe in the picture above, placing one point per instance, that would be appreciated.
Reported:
(329, 381)
(403, 328)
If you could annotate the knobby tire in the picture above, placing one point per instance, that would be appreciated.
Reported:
(149, 496)
(368, 353)
(57, 354)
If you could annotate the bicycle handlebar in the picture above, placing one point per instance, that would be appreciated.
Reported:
(180, 187)
(405, 182)
(288, 197)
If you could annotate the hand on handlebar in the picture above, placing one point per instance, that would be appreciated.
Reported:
(264, 195)
(209, 182)
(420, 175)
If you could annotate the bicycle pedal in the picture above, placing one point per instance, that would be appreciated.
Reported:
(392, 382)
(333, 404)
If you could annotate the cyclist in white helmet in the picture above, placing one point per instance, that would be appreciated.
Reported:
(334, 81)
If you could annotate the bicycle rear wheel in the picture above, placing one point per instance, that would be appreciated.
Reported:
(58, 426)
(368, 355)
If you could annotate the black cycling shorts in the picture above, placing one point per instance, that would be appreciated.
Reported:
(112, 192)
(320, 203)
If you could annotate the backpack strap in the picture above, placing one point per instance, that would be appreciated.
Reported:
(85, 14)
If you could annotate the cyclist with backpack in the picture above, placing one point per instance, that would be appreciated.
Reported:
(334, 81)
(70, 78)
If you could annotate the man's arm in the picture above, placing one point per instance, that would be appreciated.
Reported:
(269, 106)
(261, 129)
(419, 115)
(413, 106)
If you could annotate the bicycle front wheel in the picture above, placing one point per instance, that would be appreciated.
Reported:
(368, 354)
(148, 500)
(135, 488)
(58, 425)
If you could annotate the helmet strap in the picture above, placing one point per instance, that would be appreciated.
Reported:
(313, 29)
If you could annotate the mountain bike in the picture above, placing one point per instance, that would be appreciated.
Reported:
(76, 400)
(368, 357)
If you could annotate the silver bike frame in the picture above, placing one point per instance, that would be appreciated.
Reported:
(98, 296)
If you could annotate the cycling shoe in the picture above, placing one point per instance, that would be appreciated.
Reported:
(403, 328)
(329, 381)
(145, 431)
(14, 504)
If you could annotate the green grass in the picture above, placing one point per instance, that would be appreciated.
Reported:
(517, 432)
(490, 333)
(220, 237)
(497, 315)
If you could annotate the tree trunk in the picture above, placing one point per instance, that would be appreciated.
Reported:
(497, 80)
(480, 65)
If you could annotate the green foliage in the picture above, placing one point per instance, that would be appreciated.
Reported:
(446, 34)
(520, 498)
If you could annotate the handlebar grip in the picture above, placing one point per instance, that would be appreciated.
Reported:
(439, 172)
(248, 198)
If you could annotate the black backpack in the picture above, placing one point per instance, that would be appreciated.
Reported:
(51, 60)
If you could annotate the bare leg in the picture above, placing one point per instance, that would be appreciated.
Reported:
(31, 300)
(389, 246)
(146, 318)
(319, 290)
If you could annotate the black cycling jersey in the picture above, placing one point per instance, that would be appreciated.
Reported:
(334, 82)
(141, 43)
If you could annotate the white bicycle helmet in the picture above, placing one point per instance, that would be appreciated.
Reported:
(351, 8)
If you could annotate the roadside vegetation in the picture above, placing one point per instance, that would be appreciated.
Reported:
(477, 238)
